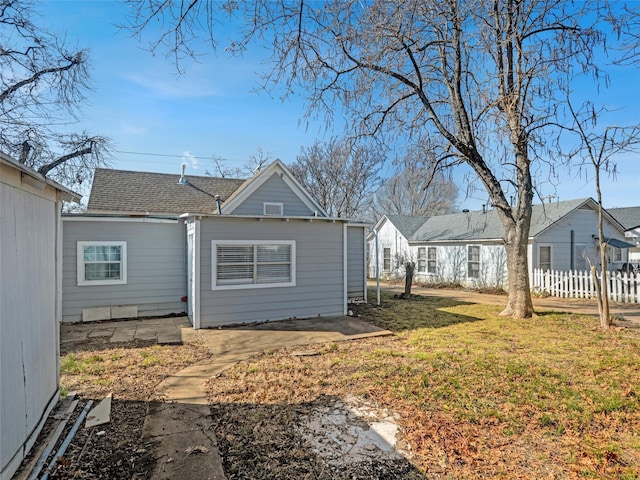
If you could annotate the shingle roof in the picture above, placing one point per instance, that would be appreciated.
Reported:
(478, 225)
(629, 217)
(156, 193)
(407, 225)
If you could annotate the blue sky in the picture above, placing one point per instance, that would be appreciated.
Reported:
(159, 120)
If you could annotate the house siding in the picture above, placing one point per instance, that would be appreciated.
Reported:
(389, 237)
(583, 222)
(319, 288)
(356, 263)
(156, 267)
(28, 314)
(274, 189)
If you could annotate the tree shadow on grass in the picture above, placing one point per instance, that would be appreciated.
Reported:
(418, 311)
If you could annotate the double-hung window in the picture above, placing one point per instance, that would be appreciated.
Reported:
(386, 260)
(473, 261)
(544, 257)
(422, 259)
(432, 259)
(101, 263)
(253, 264)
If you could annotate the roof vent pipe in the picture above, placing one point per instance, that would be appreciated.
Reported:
(183, 181)
(219, 203)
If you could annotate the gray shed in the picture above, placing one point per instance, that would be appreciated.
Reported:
(30, 306)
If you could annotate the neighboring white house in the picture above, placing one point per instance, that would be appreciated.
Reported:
(30, 301)
(468, 248)
(237, 251)
(629, 217)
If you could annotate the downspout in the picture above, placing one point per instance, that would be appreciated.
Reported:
(572, 251)
(345, 280)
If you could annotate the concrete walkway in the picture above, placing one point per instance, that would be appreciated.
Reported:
(179, 424)
(165, 331)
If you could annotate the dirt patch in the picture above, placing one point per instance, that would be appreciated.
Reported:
(324, 440)
(93, 369)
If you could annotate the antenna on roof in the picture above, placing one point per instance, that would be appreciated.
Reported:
(183, 181)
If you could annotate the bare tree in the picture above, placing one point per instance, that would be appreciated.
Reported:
(256, 162)
(42, 85)
(418, 188)
(597, 149)
(341, 175)
(485, 76)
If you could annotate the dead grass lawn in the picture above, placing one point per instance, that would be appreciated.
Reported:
(479, 396)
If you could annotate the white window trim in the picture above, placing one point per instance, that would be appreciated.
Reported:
(80, 263)
(550, 245)
(423, 259)
(214, 264)
(435, 269)
(266, 205)
(479, 277)
(390, 267)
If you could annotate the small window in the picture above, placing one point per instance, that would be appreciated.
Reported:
(253, 264)
(386, 259)
(544, 257)
(102, 263)
(473, 261)
(272, 208)
(616, 254)
(432, 259)
(422, 259)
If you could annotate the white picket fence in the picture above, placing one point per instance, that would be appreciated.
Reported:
(623, 287)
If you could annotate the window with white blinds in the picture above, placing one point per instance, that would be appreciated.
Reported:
(251, 264)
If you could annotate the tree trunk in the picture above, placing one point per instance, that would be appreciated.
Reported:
(519, 303)
(408, 278)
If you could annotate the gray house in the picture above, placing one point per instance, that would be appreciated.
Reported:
(629, 217)
(30, 298)
(224, 251)
(467, 247)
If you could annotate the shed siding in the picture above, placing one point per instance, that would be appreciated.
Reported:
(356, 263)
(274, 189)
(28, 325)
(156, 268)
(319, 288)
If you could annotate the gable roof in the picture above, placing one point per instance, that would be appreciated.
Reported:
(252, 184)
(629, 217)
(407, 225)
(132, 192)
(484, 226)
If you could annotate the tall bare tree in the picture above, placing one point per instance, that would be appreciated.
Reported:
(341, 175)
(419, 187)
(42, 85)
(485, 76)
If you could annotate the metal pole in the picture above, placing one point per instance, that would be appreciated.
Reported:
(377, 270)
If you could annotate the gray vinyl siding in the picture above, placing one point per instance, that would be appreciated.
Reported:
(28, 315)
(156, 268)
(276, 190)
(584, 224)
(319, 288)
(355, 263)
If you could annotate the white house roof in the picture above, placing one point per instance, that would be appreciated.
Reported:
(484, 226)
(629, 217)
